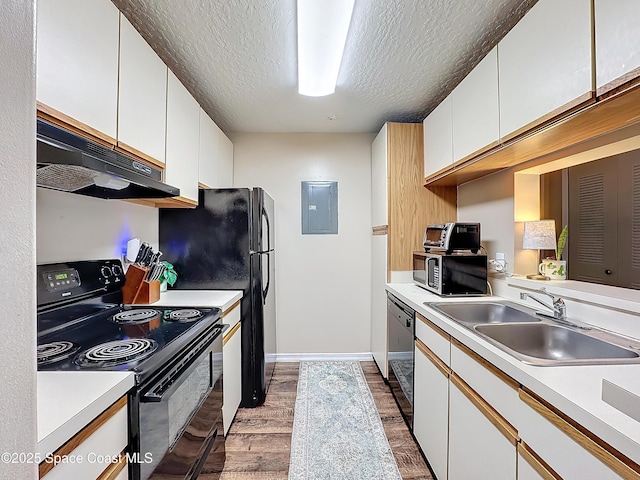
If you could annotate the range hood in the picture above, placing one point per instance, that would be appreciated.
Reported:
(71, 163)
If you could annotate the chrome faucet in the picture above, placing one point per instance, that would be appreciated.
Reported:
(558, 307)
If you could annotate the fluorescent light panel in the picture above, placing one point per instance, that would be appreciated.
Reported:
(322, 32)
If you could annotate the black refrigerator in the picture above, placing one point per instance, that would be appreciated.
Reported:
(227, 243)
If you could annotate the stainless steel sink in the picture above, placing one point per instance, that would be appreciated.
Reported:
(474, 313)
(538, 340)
(557, 344)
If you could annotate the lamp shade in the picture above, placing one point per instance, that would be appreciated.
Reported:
(539, 235)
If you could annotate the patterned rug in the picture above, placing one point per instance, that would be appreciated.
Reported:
(337, 431)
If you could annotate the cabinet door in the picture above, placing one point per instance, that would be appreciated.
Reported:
(617, 42)
(438, 138)
(225, 168)
(232, 372)
(531, 467)
(183, 112)
(379, 301)
(142, 99)
(476, 122)
(477, 448)
(77, 61)
(431, 408)
(545, 64)
(208, 152)
(379, 192)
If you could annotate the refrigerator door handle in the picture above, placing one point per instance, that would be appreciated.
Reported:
(266, 217)
(265, 292)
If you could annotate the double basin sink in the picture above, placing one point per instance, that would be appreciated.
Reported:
(537, 340)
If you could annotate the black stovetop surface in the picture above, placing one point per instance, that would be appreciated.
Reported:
(89, 325)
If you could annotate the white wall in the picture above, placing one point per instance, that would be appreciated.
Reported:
(17, 236)
(74, 227)
(323, 281)
(489, 200)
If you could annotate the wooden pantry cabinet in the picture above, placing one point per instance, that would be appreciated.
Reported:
(401, 208)
(77, 64)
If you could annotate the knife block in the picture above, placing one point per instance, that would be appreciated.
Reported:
(136, 289)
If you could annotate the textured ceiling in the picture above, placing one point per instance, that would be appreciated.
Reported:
(238, 58)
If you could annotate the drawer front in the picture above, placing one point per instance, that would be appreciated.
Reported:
(97, 452)
(556, 442)
(434, 338)
(499, 391)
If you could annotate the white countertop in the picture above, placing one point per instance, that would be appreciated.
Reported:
(68, 401)
(222, 299)
(574, 390)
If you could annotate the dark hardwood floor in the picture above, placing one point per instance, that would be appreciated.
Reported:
(259, 441)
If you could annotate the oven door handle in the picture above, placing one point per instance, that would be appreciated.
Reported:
(172, 380)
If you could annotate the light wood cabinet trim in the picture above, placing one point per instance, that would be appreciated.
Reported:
(170, 202)
(439, 364)
(433, 327)
(203, 186)
(487, 410)
(129, 150)
(615, 460)
(487, 365)
(380, 230)
(539, 465)
(607, 120)
(411, 207)
(113, 470)
(230, 333)
(51, 115)
(82, 435)
(230, 309)
(628, 80)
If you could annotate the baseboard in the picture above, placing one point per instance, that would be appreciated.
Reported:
(299, 357)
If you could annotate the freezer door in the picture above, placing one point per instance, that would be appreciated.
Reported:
(263, 210)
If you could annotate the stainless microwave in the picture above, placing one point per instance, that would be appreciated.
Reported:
(451, 274)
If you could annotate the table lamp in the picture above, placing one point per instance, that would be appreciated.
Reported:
(539, 235)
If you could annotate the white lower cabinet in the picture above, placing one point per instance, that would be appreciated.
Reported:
(379, 302)
(477, 448)
(231, 367)
(568, 451)
(97, 446)
(431, 408)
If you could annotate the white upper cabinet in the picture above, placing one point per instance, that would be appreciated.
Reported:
(208, 155)
(142, 101)
(77, 61)
(183, 115)
(617, 42)
(545, 64)
(225, 170)
(379, 165)
(438, 138)
(476, 116)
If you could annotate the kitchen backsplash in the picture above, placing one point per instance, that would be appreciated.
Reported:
(72, 227)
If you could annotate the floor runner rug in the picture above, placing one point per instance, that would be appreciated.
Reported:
(337, 431)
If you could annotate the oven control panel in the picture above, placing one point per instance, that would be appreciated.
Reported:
(61, 279)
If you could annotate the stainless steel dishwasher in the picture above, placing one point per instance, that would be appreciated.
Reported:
(400, 338)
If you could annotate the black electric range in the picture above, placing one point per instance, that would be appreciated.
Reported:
(175, 408)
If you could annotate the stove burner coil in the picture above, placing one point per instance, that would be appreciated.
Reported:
(136, 316)
(55, 351)
(117, 352)
(185, 315)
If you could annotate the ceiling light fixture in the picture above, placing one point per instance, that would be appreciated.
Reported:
(322, 33)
